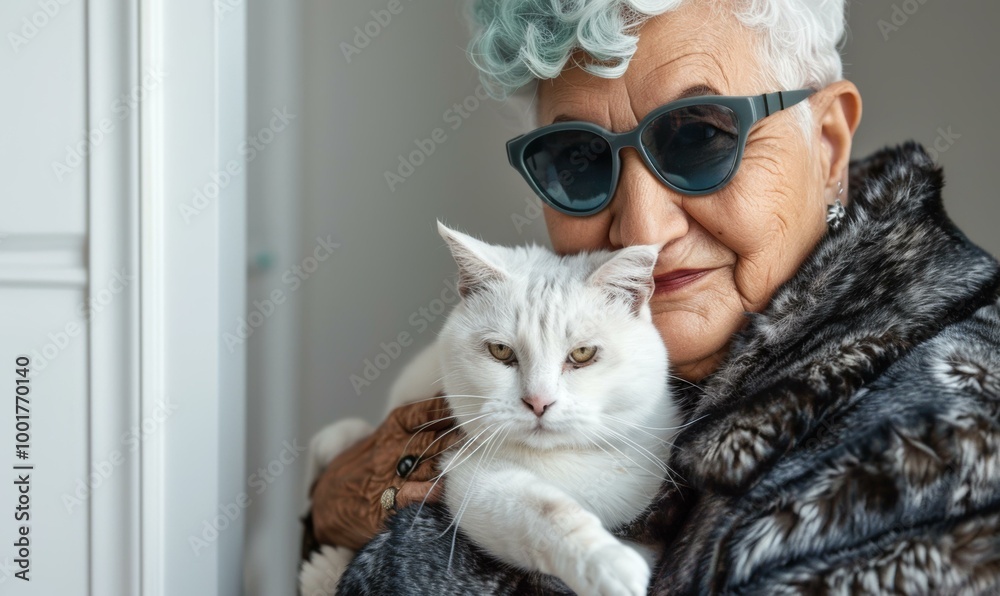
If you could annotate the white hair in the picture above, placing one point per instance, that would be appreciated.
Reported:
(517, 42)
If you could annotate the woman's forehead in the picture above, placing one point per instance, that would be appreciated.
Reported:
(673, 60)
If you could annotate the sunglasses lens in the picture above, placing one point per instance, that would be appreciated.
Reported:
(572, 168)
(694, 147)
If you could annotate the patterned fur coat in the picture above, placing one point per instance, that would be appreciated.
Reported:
(850, 443)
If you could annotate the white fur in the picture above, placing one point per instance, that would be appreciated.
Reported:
(556, 484)
(319, 575)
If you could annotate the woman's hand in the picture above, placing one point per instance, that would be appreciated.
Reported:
(346, 499)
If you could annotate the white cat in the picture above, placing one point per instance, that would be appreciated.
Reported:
(555, 372)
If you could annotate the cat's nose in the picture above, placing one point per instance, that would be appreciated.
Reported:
(537, 403)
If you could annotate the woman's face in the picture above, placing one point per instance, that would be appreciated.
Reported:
(744, 240)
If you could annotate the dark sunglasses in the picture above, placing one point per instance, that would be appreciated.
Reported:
(693, 145)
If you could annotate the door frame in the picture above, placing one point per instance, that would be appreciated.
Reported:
(192, 255)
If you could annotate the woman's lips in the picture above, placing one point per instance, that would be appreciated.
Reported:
(675, 280)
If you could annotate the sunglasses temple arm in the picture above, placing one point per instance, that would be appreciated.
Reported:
(769, 103)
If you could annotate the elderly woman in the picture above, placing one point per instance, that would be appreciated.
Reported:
(840, 338)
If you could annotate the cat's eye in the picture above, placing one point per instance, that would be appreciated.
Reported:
(583, 354)
(501, 352)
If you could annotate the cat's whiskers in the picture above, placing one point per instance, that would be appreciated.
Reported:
(417, 401)
(450, 465)
(437, 420)
(704, 392)
(662, 474)
(654, 410)
(488, 456)
(596, 444)
(686, 424)
(634, 424)
(676, 378)
(423, 399)
(483, 444)
(468, 440)
(642, 450)
(430, 423)
(667, 472)
(462, 407)
(640, 429)
(634, 463)
(450, 430)
(455, 413)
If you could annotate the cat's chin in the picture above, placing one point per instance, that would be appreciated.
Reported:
(545, 438)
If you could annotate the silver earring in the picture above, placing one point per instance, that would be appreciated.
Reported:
(835, 213)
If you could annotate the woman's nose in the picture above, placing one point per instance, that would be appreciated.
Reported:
(644, 210)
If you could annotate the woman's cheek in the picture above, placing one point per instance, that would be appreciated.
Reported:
(570, 235)
(696, 334)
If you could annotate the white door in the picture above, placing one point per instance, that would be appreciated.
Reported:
(122, 416)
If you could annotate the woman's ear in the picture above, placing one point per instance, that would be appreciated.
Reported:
(838, 112)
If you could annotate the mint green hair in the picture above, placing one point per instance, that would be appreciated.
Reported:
(517, 42)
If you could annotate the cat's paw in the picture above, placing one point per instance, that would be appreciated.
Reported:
(614, 570)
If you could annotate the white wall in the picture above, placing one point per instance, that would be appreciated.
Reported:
(274, 180)
(933, 78)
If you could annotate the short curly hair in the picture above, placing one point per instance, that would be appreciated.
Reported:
(516, 42)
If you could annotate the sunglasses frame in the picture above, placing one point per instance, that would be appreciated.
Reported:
(748, 109)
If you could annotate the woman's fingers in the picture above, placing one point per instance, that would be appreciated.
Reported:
(429, 446)
(346, 499)
(414, 492)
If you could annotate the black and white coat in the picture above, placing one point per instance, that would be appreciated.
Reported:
(849, 444)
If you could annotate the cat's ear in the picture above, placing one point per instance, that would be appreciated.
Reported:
(475, 260)
(628, 275)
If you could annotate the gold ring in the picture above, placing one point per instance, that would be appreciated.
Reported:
(389, 498)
